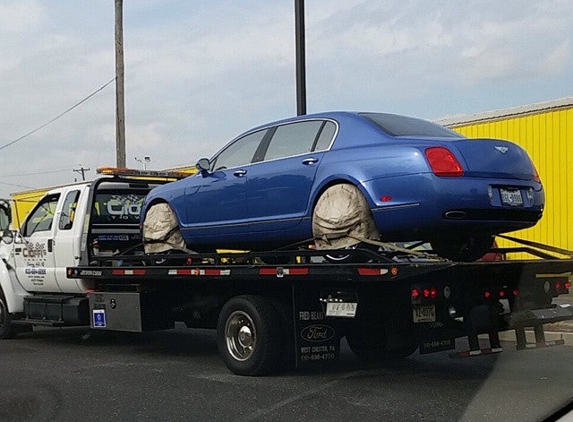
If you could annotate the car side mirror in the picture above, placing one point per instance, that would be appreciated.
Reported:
(203, 165)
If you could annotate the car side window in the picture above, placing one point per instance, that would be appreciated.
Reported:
(325, 137)
(293, 139)
(42, 216)
(69, 210)
(240, 152)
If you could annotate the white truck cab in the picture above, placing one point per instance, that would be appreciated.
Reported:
(49, 241)
(69, 226)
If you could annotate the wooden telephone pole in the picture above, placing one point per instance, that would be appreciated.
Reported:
(119, 97)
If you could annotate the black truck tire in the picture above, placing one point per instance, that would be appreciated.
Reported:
(249, 336)
(373, 346)
(7, 329)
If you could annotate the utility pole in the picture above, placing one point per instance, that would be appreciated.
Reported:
(300, 58)
(119, 97)
(82, 171)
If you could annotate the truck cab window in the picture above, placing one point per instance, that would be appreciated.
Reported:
(42, 216)
(69, 210)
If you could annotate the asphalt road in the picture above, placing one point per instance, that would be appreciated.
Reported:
(177, 375)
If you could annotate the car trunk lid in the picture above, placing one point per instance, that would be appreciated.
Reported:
(494, 158)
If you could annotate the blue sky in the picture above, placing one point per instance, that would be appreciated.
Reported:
(199, 73)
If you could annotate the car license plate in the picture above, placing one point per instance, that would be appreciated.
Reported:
(341, 309)
(425, 313)
(511, 197)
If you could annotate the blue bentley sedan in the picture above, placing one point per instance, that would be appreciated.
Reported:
(339, 178)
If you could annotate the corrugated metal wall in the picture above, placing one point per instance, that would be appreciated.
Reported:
(548, 138)
(22, 204)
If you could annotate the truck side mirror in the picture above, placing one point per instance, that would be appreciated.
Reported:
(7, 237)
(5, 215)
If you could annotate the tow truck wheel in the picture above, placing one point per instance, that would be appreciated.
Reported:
(7, 329)
(249, 335)
(373, 346)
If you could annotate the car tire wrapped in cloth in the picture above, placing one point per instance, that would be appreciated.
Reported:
(340, 216)
(161, 230)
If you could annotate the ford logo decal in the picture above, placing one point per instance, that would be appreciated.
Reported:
(317, 333)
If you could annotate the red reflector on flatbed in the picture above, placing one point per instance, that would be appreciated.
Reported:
(280, 271)
(121, 271)
(372, 271)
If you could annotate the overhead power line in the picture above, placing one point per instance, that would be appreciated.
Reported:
(35, 173)
(17, 186)
(58, 116)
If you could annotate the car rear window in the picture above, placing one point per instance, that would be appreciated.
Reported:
(409, 126)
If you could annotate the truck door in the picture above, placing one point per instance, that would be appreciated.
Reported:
(34, 248)
(66, 247)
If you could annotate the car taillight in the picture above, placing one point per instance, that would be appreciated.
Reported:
(536, 177)
(443, 162)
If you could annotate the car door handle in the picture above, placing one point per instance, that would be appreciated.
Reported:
(240, 173)
(309, 161)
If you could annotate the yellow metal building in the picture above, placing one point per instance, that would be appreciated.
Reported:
(23, 202)
(545, 130)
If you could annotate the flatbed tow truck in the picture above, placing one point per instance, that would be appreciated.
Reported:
(77, 260)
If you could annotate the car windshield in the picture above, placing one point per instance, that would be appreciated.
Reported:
(396, 125)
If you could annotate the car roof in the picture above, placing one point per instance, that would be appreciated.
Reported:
(323, 115)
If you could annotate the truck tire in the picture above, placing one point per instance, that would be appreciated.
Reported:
(7, 329)
(372, 346)
(249, 336)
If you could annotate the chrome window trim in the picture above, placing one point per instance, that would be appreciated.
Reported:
(272, 126)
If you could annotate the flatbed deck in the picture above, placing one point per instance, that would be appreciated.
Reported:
(411, 301)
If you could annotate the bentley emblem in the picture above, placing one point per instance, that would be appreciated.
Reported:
(503, 150)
